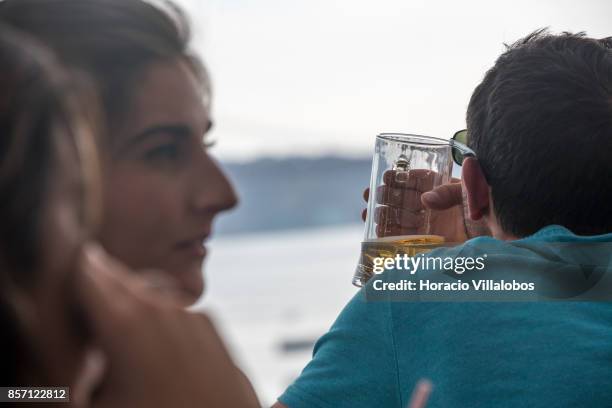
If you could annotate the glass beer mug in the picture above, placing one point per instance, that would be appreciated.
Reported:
(404, 167)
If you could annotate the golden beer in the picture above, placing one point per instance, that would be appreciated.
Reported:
(389, 247)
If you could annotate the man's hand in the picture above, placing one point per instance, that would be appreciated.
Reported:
(157, 354)
(403, 201)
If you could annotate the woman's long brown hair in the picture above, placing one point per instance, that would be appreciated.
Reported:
(40, 108)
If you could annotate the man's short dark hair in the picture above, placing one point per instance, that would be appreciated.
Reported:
(541, 125)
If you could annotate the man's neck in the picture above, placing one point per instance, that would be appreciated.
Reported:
(498, 232)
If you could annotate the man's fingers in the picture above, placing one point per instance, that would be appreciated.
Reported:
(404, 189)
(391, 230)
(399, 198)
(396, 221)
(366, 197)
(405, 219)
(443, 197)
(417, 179)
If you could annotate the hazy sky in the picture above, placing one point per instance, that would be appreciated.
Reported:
(325, 76)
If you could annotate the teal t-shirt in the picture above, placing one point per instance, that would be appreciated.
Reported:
(477, 354)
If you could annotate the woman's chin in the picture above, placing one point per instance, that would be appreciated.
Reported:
(191, 286)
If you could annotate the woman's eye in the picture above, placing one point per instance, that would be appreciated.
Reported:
(164, 152)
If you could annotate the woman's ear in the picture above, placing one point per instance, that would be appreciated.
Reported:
(476, 187)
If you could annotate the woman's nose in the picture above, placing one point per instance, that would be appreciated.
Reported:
(213, 192)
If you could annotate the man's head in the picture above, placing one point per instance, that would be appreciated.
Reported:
(541, 125)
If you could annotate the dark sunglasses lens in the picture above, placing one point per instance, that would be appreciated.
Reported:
(458, 156)
(461, 137)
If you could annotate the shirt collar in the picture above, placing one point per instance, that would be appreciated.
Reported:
(558, 232)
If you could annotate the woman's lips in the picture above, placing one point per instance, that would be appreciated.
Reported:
(194, 247)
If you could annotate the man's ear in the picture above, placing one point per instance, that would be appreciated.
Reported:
(476, 187)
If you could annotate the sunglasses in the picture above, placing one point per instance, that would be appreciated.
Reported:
(459, 147)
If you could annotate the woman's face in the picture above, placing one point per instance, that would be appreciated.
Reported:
(162, 189)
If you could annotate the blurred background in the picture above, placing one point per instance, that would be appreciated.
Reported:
(301, 88)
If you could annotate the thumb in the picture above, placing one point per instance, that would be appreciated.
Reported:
(443, 197)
